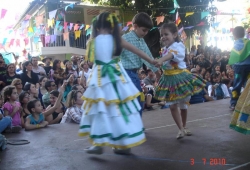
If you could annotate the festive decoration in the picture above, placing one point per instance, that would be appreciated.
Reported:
(77, 34)
(87, 26)
(4, 41)
(160, 19)
(65, 25)
(125, 28)
(11, 42)
(26, 41)
(176, 5)
(18, 42)
(52, 38)
(129, 23)
(70, 26)
(3, 12)
(201, 24)
(173, 11)
(66, 36)
(178, 19)
(76, 27)
(204, 14)
(52, 14)
(70, 5)
(27, 17)
(39, 20)
(189, 14)
(88, 32)
(36, 40)
(47, 39)
(49, 23)
(82, 26)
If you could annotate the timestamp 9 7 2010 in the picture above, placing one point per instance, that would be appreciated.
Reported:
(209, 161)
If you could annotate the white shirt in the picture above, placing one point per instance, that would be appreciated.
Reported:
(86, 74)
(223, 87)
(38, 70)
(178, 51)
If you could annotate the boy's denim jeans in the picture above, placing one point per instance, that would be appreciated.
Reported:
(135, 79)
(4, 123)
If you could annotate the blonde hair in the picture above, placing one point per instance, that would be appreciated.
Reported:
(72, 97)
(16, 80)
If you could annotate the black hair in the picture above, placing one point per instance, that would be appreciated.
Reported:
(55, 63)
(225, 81)
(48, 84)
(65, 61)
(54, 93)
(8, 67)
(27, 87)
(72, 97)
(172, 28)
(142, 19)
(239, 32)
(101, 22)
(31, 105)
(25, 64)
(41, 78)
(22, 95)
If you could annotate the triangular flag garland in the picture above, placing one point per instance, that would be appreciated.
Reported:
(173, 11)
(178, 19)
(189, 14)
(176, 5)
(77, 34)
(160, 19)
(66, 36)
(3, 12)
(204, 14)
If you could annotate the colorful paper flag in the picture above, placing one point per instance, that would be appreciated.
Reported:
(129, 23)
(82, 26)
(173, 11)
(3, 12)
(77, 34)
(176, 5)
(189, 14)
(47, 39)
(70, 26)
(26, 41)
(70, 5)
(178, 19)
(52, 14)
(4, 41)
(36, 40)
(30, 29)
(52, 38)
(160, 19)
(18, 42)
(65, 25)
(27, 17)
(66, 36)
(87, 27)
(125, 28)
(49, 23)
(76, 27)
(88, 32)
(204, 14)
(39, 20)
(57, 24)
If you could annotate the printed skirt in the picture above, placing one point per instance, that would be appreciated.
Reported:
(240, 121)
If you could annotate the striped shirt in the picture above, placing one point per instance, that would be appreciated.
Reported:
(132, 61)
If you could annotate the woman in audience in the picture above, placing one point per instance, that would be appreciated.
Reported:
(74, 104)
(57, 115)
(28, 75)
(31, 89)
(56, 72)
(10, 74)
(69, 69)
(18, 84)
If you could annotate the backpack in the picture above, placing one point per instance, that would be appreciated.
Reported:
(219, 92)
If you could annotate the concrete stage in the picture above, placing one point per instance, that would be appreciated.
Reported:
(58, 147)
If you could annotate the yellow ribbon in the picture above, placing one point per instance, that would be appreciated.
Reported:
(174, 71)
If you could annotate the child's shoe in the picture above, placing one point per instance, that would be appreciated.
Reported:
(122, 151)
(187, 132)
(180, 134)
(16, 129)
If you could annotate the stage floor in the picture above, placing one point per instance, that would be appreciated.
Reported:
(58, 147)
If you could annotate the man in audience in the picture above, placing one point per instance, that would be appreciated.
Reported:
(150, 79)
(36, 68)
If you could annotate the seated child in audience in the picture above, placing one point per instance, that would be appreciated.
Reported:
(11, 107)
(74, 103)
(218, 90)
(5, 121)
(150, 100)
(57, 115)
(36, 119)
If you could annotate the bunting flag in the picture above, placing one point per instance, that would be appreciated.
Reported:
(178, 19)
(18, 42)
(180, 31)
(204, 14)
(189, 14)
(176, 5)
(52, 14)
(11, 42)
(25, 24)
(27, 17)
(160, 19)
(129, 23)
(47, 39)
(30, 29)
(215, 24)
(77, 34)
(70, 5)
(1, 46)
(125, 28)
(65, 25)
(52, 38)
(82, 26)
(88, 32)
(26, 41)
(87, 27)
(201, 24)
(66, 36)
(49, 23)
(60, 28)
(3, 12)
(70, 26)
(57, 24)
(173, 11)
(36, 40)
(76, 27)
(39, 20)
(4, 41)
(189, 27)
(62, 13)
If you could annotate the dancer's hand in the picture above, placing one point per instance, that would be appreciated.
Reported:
(158, 63)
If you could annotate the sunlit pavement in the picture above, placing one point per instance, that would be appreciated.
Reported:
(212, 146)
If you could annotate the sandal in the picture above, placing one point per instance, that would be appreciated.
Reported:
(180, 135)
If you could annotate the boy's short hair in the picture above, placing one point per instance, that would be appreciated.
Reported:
(142, 19)
(239, 32)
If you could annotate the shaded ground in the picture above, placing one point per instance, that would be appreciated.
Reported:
(59, 147)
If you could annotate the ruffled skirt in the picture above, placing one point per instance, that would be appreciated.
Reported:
(240, 121)
(178, 87)
(111, 109)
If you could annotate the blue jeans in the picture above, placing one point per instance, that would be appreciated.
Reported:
(4, 123)
(135, 79)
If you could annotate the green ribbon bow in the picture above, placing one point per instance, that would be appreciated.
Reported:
(111, 72)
